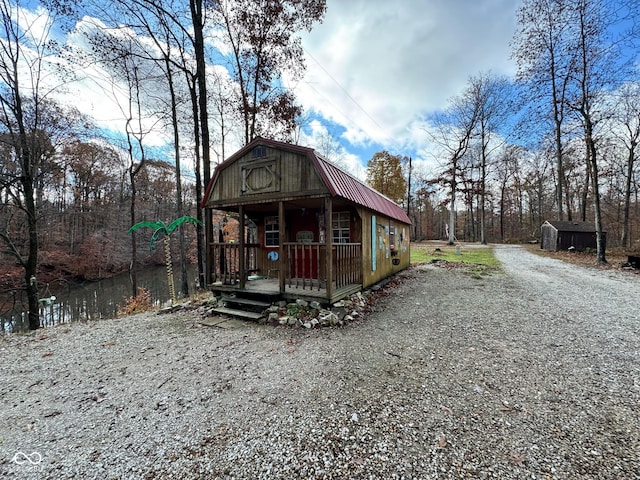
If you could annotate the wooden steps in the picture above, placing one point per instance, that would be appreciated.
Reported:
(248, 302)
(233, 312)
(242, 307)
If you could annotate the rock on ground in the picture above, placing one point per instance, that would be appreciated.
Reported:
(529, 374)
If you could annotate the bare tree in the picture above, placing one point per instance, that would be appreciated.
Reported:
(627, 129)
(190, 60)
(121, 53)
(263, 39)
(198, 21)
(158, 25)
(491, 95)
(596, 72)
(453, 131)
(181, 28)
(510, 185)
(545, 63)
(32, 129)
(329, 147)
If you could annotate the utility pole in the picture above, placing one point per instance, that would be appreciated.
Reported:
(409, 190)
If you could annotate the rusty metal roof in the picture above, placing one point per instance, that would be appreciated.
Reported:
(345, 185)
(339, 183)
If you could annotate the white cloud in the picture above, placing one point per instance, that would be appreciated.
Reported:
(318, 135)
(376, 67)
(35, 23)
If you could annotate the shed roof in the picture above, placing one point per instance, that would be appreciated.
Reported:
(582, 227)
(339, 183)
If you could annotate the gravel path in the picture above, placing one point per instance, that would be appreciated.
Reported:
(530, 374)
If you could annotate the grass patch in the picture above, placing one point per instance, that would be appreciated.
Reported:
(475, 255)
(478, 260)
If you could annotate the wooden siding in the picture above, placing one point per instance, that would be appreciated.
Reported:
(384, 254)
(560, 236)
(281, 175)
(303, 190)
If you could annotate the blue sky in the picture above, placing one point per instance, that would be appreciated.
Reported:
(376, 72)
(377, 69)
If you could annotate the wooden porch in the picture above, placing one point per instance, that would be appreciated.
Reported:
(299, 270)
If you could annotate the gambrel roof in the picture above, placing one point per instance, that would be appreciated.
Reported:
(338, 182)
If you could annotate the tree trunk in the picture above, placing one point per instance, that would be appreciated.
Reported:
(452, 209)
(560, 170)
(198, 180)
(585, 193)
(198, 28)
(600, 234)
(184, 281)
(132, 221)
(503, 189)
(483, 227)
(31, 263)
(625, 239)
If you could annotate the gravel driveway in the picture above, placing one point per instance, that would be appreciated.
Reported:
(529, 374)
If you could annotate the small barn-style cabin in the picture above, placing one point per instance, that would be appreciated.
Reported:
(558, 236)
(308, 229)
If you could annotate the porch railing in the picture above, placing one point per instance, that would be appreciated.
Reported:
(347, 263)
(307, 264)
(225, 261)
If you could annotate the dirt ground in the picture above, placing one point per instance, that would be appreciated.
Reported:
(533, 373)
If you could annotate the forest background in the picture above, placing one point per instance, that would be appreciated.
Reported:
(557, 141)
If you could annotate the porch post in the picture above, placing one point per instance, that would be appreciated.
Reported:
(208, 238)
(241, 265)
(282, 239)
(328, 208)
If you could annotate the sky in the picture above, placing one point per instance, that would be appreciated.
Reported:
(377, 69)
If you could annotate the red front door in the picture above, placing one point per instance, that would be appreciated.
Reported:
(304, 257)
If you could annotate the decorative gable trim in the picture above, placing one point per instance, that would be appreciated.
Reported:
(260, 176)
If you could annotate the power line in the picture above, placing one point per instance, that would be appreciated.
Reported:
(344, 90)
(332, 104)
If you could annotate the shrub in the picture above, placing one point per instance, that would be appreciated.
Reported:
(136, 304)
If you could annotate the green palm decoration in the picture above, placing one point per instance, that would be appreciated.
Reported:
(162, 229)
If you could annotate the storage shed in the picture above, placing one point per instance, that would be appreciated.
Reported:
(320, 232)
(558, 236)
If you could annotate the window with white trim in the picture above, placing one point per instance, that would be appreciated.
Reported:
(271, 232)
(340, 227)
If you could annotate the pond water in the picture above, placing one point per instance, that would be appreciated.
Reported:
(92, 300)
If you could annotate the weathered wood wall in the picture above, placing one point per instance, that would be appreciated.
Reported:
(281, 175)
(275, 175)
(384, 258)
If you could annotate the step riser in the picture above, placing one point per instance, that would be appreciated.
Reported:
(244, 304)
(238, 313)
